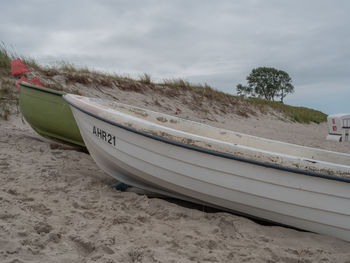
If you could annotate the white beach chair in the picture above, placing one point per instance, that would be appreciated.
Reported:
(339, 127)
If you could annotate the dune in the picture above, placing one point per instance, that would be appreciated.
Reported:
(58, 206)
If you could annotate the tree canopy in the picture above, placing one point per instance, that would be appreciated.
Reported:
(267, 83)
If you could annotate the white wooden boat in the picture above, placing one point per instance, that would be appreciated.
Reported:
(293, 185)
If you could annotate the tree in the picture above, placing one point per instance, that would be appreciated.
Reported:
(243, 90)
(285, 84)
(267, 83)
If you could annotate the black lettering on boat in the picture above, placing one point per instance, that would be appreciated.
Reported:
(106, 136)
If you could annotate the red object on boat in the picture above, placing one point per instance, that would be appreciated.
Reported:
(37, 82)
(34, 81)
(18, 67)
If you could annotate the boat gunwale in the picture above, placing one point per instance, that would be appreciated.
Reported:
(207, 151)
(46, 90)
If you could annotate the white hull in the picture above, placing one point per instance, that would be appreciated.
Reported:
(302, 201)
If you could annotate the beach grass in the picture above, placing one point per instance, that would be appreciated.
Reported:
(7, 97)
(7, 56)
(146, 79)
(297, 114)
(5, 60)
(168, 87)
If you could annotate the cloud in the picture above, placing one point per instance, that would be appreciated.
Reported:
(201, 41)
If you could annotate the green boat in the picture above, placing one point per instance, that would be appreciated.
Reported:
(49, 114)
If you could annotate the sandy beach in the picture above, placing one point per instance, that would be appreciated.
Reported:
(58, 206)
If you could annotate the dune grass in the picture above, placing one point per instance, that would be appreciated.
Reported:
(7, 56)
(7, 97)
(172, 87)
(5, 85)
(297, 114)
(5, 60)
(199, 90)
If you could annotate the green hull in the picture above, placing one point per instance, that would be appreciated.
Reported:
(48, 114)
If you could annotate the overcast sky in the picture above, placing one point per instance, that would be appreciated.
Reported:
(217, 42)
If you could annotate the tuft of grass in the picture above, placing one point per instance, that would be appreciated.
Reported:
(81, 78)
(5, 60)
(6, 57)
(6, 98)
(200, 92)
(176, 84)
(296, 114)
(31, 63)
(145, 79)
(71, 68)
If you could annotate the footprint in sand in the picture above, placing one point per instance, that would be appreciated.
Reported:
(85, 247)
(41, 209)
(43, 227)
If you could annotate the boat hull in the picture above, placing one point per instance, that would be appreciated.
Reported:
(49, 114)
(298, 198)
(307, 202)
